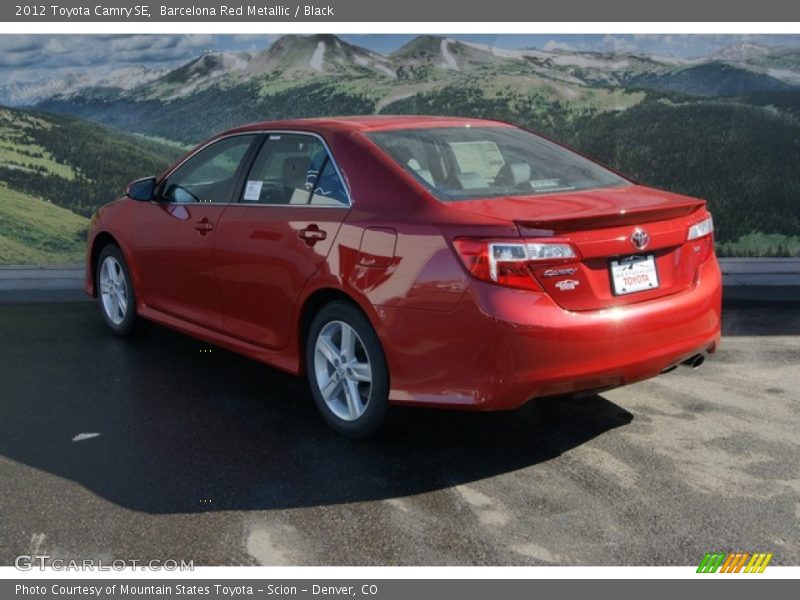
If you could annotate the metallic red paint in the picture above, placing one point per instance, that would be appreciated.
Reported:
(241, 276)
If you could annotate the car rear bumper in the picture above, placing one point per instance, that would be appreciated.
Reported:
(501, 347)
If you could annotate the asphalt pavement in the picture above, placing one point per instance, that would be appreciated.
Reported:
(164, 447)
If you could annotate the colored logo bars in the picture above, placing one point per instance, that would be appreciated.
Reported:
(734, 562)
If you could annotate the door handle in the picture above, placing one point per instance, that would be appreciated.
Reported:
(312, 234)
(204, 226)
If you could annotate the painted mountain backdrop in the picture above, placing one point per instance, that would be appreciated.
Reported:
(725, 127)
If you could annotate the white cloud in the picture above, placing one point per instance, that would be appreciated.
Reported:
(57, 52)
(616, 43)
(20, 43)
(553, 45)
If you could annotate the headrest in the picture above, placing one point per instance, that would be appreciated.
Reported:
(513, 174)
(294, 171)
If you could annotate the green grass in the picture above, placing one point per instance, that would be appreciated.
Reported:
(33, 231)
(73, 163)
(54, 173)
(31, 157)
(18, 149)
(179, 146)
(761, 245)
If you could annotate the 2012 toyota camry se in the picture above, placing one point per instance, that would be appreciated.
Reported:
(412, 260)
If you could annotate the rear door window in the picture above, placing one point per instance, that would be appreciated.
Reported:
(294, 169)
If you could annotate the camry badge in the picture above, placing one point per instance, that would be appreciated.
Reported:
(566, 285)
(557, 272)
(640, 238)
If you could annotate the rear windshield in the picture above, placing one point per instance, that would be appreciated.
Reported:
(467, 163)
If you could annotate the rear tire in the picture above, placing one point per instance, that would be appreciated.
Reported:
(347, 370)
(115, 291)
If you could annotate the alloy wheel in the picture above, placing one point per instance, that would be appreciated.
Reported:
(113, 290)
(343, 371)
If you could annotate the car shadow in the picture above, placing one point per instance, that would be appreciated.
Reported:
(164, 423)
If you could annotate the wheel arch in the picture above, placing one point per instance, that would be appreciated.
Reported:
(100, 241)
(312, 304)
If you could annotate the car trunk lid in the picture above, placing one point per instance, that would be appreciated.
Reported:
(632, 242)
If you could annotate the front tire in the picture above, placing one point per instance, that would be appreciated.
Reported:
(347, 370)
(115, 291)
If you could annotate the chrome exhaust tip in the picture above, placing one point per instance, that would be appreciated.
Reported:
(695, 361)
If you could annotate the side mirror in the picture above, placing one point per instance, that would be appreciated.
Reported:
(141, 189)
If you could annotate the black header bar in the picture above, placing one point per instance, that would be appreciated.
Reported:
(401, 11)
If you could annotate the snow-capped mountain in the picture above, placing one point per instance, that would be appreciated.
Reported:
(444, 54)
(741, 52)
(431, 61)
(197, 74)
(318, 55)
(28, 93)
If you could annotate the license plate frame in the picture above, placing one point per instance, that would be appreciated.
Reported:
(641, 268)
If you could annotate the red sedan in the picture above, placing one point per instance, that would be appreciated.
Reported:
(412, 260)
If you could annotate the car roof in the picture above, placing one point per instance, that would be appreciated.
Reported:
(366, 123)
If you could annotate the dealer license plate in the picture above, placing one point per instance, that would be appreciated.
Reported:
(634, 274)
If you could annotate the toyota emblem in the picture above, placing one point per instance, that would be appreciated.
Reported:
(640, 238)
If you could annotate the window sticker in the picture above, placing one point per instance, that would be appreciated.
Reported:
(481, 157)
(252, 193)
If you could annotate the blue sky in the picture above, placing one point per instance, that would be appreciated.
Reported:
(30, 57)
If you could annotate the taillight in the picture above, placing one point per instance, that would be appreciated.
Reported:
(701, 236)
(701, 229)
(508, 263)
